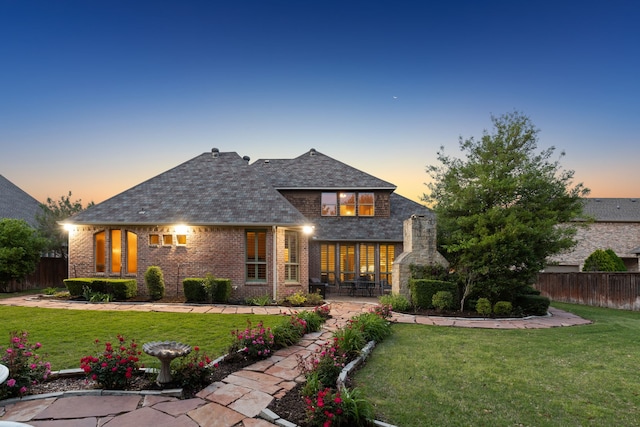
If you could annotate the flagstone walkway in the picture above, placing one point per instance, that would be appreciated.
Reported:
(235, 401)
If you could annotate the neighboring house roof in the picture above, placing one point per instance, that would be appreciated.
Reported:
(316, 171)
(16, 204)
(211, 189)
(612, 209)
(379, 229)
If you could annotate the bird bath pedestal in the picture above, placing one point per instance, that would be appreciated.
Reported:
(166, 351)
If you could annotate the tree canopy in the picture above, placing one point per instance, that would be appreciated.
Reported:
(498, 208)
(20, 247)
(51, 213)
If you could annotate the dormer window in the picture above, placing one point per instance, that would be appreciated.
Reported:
(329, 204)
(365, 204)
(348, 204)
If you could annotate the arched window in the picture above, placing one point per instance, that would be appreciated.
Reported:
(132, 252)
(100, 251)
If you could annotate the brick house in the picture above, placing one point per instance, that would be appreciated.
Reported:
(219, 214)
(615, 224)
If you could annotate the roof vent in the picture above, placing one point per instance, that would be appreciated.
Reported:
(246, 158)
(215, 153)
(312, 152)
(267, 161)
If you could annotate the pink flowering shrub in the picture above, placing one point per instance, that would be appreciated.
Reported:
(114, 367)
(255, 343)
(324, 365)
(26, 368)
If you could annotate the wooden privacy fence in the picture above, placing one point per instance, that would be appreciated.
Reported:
(600, 289)
(50, 272)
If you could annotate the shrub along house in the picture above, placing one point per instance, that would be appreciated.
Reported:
(268, 226)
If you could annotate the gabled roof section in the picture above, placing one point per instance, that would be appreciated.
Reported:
(316, 171)
(211, 189)
(613, 209)
(374, 229)
(16, 204)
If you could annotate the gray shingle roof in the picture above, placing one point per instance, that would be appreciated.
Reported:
(205, 190)
(316, 171)
(613, 209)
(16, 204)
(363, 229)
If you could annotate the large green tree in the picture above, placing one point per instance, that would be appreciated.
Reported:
(499, 208)
(20, 247)
(48, 222)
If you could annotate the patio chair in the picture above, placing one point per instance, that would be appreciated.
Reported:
(385, 287)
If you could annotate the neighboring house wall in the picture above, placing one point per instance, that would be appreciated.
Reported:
(216, 250)
(622, 237)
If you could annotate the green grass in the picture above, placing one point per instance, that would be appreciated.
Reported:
(68, 335)
(572, 376)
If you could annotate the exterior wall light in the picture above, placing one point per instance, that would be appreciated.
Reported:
(308, 229)
(181, 229)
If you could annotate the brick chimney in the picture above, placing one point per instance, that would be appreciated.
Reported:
(419, 235)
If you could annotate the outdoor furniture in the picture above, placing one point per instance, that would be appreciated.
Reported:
(365, 286)
(385, 287)
(4, 373)
(316, 286)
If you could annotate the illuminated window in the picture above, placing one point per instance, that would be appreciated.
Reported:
(132, 252)
(329, 204)
(181, 239)
(387, 257)
(365, 204)
(347, 204)
(291, 257)
(328, 263)
(167, 239)
(116, 251)
(154, 240)
(367, 261)
(100, 250)
(256, 263)
(347, 262)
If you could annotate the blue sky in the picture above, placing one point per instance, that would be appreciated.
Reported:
(97, 96)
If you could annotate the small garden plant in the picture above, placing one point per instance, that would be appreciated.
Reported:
(26, 367)
(114, 367)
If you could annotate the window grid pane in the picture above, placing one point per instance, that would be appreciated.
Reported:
(132, 252)
(328, 263)
(347, 262)
(347, 204)
(116, 251)
(291, 255)
(329, 204)
(365, 204)
(256, 247)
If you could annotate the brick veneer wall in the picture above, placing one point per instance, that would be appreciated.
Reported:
(619, 236)
(216, 250)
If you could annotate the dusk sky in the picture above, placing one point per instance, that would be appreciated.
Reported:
(97, 96)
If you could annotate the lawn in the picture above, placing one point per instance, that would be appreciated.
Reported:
(68, 335)
(572, 376)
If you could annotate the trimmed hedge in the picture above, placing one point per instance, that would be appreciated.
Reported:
(423, 290)
(195, 290)
(121, 289)
(535, 305)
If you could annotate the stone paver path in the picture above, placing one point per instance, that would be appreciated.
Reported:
(235, 401)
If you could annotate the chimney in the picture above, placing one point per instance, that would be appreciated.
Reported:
(215, 153)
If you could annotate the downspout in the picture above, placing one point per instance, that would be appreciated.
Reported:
(275, 262)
